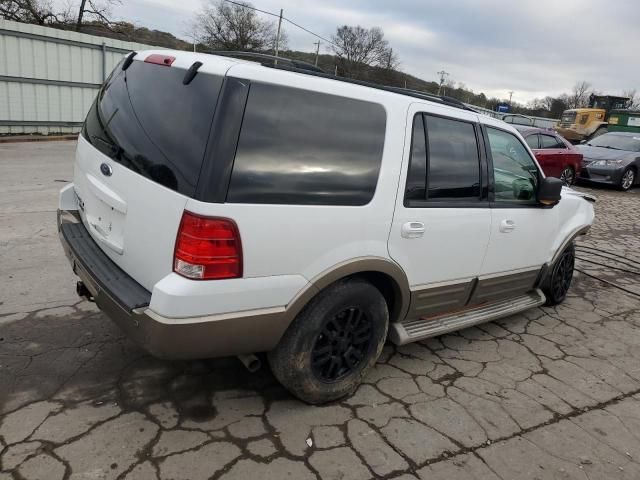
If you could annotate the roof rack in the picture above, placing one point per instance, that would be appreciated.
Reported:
(270, 60)
(451, 102)
(309, 69)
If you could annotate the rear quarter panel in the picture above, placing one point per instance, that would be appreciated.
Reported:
(310, 239)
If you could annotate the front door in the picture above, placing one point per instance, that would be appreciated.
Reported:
(441, 223)
(522, 231)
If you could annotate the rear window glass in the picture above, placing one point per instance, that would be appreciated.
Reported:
(303, 147)
(147, 120)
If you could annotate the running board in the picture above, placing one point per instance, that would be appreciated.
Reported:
(409, 331)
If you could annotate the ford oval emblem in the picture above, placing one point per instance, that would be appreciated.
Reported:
(106, 169)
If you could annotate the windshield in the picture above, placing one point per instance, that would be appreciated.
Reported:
(617, 142)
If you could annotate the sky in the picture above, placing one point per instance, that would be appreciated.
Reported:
(531, 47)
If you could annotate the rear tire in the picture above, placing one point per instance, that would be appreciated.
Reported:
(333, 342)
(557, 283)
(628, 179)
(568, 176)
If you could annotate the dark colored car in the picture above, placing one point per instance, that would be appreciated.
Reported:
(612, 158)
(557, 157)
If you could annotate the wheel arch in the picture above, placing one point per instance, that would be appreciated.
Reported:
(384, 274)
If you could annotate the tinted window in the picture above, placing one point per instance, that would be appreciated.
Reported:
(147, 120)
(417, 174)
(532, 141)
(549, 141)
(302, 147)
(453, 160)
(514, 171)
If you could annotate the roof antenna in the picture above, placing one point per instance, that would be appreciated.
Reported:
(191, 73)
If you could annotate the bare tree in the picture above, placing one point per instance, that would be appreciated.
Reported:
(357, 47)
(224, 26)
(39, 12)
(43, 12)
(98, 11)
(391, 61)
(634, 98)
(579, 97)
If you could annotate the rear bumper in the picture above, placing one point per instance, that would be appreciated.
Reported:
(126, 303)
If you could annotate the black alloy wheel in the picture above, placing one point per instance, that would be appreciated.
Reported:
(342, 345)
(558, 283)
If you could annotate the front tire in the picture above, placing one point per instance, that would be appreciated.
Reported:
(557, 283)
(628, 179)
(333, 342)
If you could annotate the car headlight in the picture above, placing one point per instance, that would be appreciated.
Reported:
(606, 163)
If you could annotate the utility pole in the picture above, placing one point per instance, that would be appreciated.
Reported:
(443, 75)
(317, 50)
(278, 37)
(510, 96)
(80, 14)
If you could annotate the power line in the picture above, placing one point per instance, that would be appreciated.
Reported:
(283, 18)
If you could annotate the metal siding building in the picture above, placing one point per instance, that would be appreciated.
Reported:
(49, 77)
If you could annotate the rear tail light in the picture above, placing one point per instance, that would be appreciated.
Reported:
(207, 248)
(158, 59)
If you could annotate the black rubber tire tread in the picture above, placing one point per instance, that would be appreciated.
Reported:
(552, 297)
(290, 361)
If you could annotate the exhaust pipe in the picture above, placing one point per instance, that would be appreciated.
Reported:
(250, 362)
(83, 291)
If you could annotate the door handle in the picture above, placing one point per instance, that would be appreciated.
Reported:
(507, 226)
(412, 230)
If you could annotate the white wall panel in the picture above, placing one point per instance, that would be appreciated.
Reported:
(30, 52)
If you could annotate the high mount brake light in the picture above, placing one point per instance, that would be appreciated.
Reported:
(207, 248)
(158, 59)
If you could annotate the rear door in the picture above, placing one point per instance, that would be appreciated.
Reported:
(138, 161)
(552, 151)
(441, 223)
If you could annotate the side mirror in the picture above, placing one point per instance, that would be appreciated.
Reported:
(549, 191)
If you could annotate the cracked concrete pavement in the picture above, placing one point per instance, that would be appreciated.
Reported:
(551, 393)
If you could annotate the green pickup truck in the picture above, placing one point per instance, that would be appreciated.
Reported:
(624, 121)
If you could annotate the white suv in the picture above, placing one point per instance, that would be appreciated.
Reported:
(227, 207)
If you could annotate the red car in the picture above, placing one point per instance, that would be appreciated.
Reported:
(557, 157)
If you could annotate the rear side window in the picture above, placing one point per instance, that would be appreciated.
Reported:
(549, 141)
(147, 120)
(307, 148)
(451, 161)
(532, 141)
